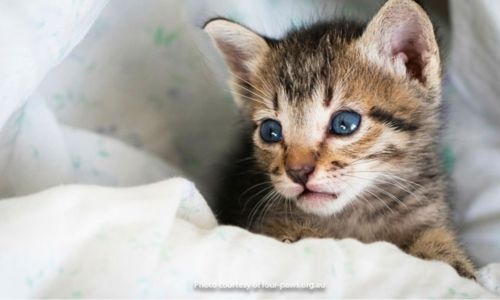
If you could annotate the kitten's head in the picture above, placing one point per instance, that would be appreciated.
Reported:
(338, 108)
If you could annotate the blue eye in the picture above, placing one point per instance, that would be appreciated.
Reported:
(345, 123)
(270, 131)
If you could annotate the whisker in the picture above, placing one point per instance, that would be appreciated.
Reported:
(398, 181)
(362, 197)
(394, 184)
(272, 201)
(383, 202)
(255, 211)
(251, 99)
(260, 95)
(245, 159)
(392, 196)
(394, 181)
(266, 189)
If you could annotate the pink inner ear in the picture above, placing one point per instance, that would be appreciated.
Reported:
(402, 56)
(409, 45)
(235, 58)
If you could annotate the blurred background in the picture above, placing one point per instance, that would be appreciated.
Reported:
(140, 95)
(147, 75)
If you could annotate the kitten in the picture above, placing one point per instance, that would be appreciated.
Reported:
(343, 123)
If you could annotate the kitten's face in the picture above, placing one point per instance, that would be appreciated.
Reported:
(335, 117)
(340, 134)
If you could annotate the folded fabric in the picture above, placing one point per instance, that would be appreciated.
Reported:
(161, 240)
(35, 36)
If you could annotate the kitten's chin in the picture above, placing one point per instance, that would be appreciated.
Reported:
(321, 204)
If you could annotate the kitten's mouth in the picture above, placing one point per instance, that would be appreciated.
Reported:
(312, 196)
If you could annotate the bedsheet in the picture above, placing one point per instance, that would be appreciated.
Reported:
(37, 150)
(161, 240)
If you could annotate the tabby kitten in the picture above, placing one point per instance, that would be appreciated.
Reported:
(343, 122)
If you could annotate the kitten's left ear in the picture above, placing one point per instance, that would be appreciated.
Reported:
(241, 48)
(239, 45)
(401, 38)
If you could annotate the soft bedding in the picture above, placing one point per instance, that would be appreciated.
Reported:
(37, 150)
(161, 240)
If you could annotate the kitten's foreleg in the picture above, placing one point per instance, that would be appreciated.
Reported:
(441, 244)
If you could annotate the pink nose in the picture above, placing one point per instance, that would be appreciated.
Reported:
(300, 163)
(301, 173)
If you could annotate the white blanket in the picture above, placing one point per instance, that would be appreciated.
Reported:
(161, 240)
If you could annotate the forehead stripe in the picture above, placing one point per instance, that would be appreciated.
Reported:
(328, 96)
(275, 102)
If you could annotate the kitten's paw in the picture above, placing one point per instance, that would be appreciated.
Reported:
(464, 269)
(463, 266)
(440, 244)
(289, 239)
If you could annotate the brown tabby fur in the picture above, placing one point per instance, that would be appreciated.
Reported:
(323, 69)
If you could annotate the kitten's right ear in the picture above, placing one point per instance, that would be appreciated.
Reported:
(241, 47)
(401, 38)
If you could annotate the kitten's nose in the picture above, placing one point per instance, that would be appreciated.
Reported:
(299, 165)
(300, 175)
